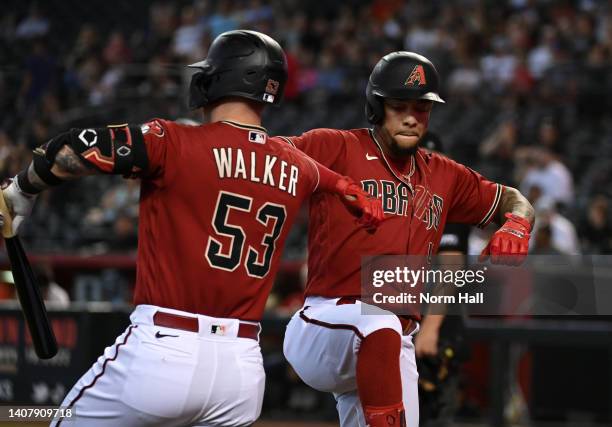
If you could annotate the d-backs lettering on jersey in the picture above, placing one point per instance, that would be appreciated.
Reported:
(418, 197)
(216, 206)
(396, 198)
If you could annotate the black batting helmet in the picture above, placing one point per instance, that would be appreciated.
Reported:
(400, 75)
(240, 63)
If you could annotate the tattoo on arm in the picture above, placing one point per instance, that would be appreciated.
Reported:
(66, 166)
(35, 179)
(69, 166)
(514, 202)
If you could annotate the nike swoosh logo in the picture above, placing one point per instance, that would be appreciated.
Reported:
(368, 157)
(158, 335)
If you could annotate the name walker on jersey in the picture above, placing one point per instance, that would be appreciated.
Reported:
(237, 163)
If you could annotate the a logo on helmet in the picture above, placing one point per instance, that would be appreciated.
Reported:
(272, 87)
(416, 77)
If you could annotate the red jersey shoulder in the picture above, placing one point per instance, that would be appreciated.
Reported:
(318, 136)
(441, 165)
(361, 134)
(325, 134)
(337, 136)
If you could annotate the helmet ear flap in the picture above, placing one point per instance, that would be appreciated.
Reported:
(374, 109)
(198, 90)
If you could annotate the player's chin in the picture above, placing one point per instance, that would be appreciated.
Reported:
(405, 145)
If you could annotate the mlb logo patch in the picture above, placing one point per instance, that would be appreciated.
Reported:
(268, 98)
(217, 329)
(257, 137)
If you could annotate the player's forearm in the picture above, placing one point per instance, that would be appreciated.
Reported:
(68, 165)
(512, 201)
(328, 179)
(432, 322)
(114, 150)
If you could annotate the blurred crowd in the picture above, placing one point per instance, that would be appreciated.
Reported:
(528, 85)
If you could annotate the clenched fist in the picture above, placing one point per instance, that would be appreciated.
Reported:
(510, 244)
(367, 209)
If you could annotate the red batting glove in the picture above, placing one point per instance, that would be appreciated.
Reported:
(367, 209)
(510, 244)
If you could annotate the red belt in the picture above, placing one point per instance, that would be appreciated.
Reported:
(187, 323)
(408, 324)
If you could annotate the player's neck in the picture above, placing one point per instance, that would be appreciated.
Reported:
(385, 143)
(248, 113)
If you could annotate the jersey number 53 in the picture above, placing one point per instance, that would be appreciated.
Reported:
(257, 262)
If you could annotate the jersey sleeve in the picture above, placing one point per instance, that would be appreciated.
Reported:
(476, 199)
(308, 165)
(327, 146)
(157, 139)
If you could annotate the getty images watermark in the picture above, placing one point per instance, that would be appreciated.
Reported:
(423, 279)
(544, 285)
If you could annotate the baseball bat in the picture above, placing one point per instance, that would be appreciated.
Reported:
(30, 298)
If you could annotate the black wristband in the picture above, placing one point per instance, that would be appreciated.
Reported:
(24, 183)
(43, 170)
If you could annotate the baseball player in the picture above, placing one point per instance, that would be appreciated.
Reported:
(217, 202)
(368, 361)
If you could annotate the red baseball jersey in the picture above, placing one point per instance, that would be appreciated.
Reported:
(216, 205)
(419, 195)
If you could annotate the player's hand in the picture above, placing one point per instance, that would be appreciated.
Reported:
(367, 209)
(426, 342)
(510, 244)
(19, 204)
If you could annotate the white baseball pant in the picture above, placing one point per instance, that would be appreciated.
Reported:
(163, 376)
(322, 341)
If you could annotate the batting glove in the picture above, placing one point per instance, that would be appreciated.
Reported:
(510, 244)
(19, 204)
(367, 209)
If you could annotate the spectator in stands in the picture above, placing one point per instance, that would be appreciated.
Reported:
(36, 24)
(498, 150)
(498, 66)
(548, 173)
(222, 19)
(54, 295)
(563, 236)
(86, 45)
(120, 199)
(540, 58)
(188, 35)
(466, 79)
(596, 227)
(542, 242)
(124, 233)
(17, 158)
(548, 136)
(39, 74)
